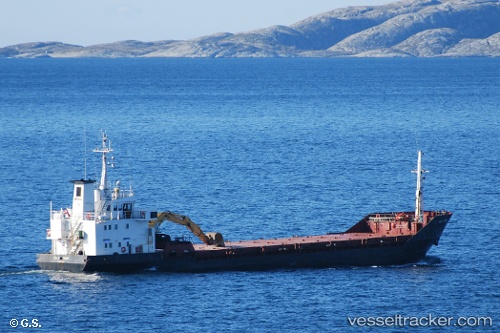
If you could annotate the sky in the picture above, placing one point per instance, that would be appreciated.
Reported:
(90, 22)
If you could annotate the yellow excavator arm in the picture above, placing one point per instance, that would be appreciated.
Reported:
(210, 238)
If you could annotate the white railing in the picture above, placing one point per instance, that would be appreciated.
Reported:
(59, 214)
(120, 194)
(120, 215)
(382, 217)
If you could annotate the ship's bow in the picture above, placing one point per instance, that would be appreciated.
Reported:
(417, 247)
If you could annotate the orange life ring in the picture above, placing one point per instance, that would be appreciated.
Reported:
(124, 249)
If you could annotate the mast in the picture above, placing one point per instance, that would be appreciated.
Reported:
(104, 149)
(85, 153)
(419, 200)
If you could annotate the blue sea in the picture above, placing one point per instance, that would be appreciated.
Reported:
(255, 148)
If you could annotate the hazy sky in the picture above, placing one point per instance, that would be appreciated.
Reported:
(87, 22)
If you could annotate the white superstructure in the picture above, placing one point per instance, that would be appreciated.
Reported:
(101, 221)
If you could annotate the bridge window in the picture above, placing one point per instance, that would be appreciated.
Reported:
(127, 210)
(78, 191)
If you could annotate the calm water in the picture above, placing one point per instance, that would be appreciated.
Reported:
(254, 148)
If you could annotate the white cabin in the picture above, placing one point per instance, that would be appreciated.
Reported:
(101, 221)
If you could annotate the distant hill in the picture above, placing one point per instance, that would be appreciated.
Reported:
(409, 28)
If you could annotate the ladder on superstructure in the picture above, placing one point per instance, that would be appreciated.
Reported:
(76, 240)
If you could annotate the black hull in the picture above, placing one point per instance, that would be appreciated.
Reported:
(114, 263)
(408, 249)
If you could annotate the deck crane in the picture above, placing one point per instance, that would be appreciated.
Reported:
(210, 238)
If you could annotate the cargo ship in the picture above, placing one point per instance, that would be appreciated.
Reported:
(105, 230)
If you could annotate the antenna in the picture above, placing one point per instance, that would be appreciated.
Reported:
(416, 140)
(85, 152)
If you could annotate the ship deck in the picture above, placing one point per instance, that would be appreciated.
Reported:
(374, 229)
(378, 230)
(302, 242)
